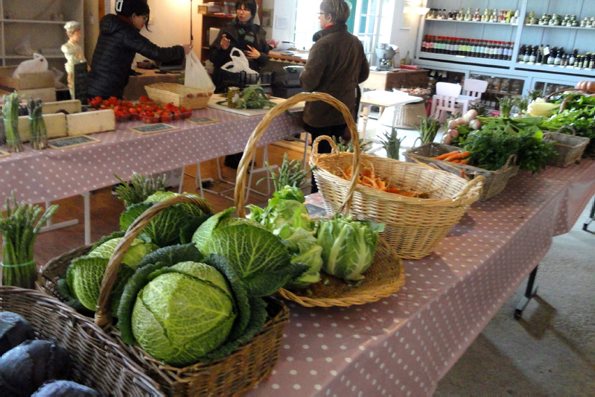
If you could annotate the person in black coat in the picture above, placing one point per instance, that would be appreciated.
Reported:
(119, 41)
(243, 34)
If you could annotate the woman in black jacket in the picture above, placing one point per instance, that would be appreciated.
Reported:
(243, 34)
(119, 41)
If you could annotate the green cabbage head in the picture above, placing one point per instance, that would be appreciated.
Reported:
(348, 246)
(184, 313)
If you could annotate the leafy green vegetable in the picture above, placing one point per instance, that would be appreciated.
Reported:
(203, 233)
(173, 225)
(253, 97)
(288, 218)
(260, 258)
(348, 246)
(133, 255)
(577, 115)
(183, 313)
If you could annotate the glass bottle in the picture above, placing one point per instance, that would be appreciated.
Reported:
(532, 55)
(521, 57)
(558, 59)
(572, 57)
(552, 56)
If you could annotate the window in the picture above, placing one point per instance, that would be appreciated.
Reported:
(370, 21)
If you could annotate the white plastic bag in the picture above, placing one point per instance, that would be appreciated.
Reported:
(196, 75)
(36, 65)
(239, 63)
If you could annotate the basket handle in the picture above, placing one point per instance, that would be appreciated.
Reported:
(510, 160)
(103, 315)
(314, 153)
(250, 149)
(474, 184)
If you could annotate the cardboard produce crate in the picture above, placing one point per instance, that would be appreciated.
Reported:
(26, 81)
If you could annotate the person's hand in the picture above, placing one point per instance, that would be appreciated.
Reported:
(252, 53)
(187, 48)
(225, 42)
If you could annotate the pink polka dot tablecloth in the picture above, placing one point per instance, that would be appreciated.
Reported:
(402, 346)
(52, 174)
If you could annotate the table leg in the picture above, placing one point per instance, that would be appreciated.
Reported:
(530, 292)
(49, 226)
(364, 114)
(590, 219)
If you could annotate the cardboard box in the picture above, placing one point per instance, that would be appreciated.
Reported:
(91, 122)
(25, 81)
(70, 106)
(45, 94)
(55, 126)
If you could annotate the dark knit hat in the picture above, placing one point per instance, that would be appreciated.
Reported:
(128, 7)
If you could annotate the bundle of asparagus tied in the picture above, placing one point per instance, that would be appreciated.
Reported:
(39, 136)
(19, 225)
(10, 111)
(428, 129)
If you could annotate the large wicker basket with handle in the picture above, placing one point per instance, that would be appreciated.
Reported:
(97, 360)
(413, 226)
(385, 276)
(233, 375)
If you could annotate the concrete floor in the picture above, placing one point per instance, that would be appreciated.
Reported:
(551, 350)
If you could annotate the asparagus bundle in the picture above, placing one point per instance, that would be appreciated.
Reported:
(10, 111)
(290, 173)
(428, 129)
(392, 144)
(19, 225)
(39, 136)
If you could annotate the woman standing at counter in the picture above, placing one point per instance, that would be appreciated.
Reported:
(119, 41)
(336, 65)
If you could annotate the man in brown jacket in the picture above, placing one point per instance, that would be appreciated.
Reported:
(336, 65)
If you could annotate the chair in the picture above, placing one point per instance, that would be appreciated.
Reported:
(472, 92)
(445, 100)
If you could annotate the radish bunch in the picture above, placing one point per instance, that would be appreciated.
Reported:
(468, 121)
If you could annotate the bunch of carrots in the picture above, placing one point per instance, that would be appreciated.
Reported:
(367, 177)
(455, 156)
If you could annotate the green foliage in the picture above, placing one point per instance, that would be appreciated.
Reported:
(348, 246)
(428, 128)
(253, 97)
(290, 173)
(347, 146)
(392, 144)
(139, 188)
(577, 116)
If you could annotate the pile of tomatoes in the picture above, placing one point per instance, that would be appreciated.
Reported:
(145, 109)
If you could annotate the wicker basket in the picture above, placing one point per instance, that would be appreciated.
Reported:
(97, 361)
(494, 181)
(385, 276)
(233, 375)
(413, 226)
(179, 95)
(569, 148)
(410, 115)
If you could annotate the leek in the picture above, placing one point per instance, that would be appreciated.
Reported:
(10, 111)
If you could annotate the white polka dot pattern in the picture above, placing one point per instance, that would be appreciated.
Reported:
(51, 174)
(403, 345)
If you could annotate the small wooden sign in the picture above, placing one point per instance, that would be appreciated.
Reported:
(71, 141)
(203, 120)
(153, 128)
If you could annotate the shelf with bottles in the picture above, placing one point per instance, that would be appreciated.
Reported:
(487, 16)
(557, 21)
(561, 27)
(546, 88)
(555, 59)
(474, 22)
(443, 47)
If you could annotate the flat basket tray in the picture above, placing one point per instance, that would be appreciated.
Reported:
(384, 278)
(569, 148)
(494, 181)
(179, 95)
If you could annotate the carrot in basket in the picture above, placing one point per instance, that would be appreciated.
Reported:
(445, 155)
(457, 156)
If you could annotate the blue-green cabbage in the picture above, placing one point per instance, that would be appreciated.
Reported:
(348, 246)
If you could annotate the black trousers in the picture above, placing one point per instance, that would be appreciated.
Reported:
(336, 131)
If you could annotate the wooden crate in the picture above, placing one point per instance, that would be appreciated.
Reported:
(179, 95)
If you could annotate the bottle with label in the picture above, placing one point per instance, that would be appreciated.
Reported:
(532, 54)
(546, 54)
(572, 58)
(552, 57)
(539, 58)
(521, 57)
(558, 59)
